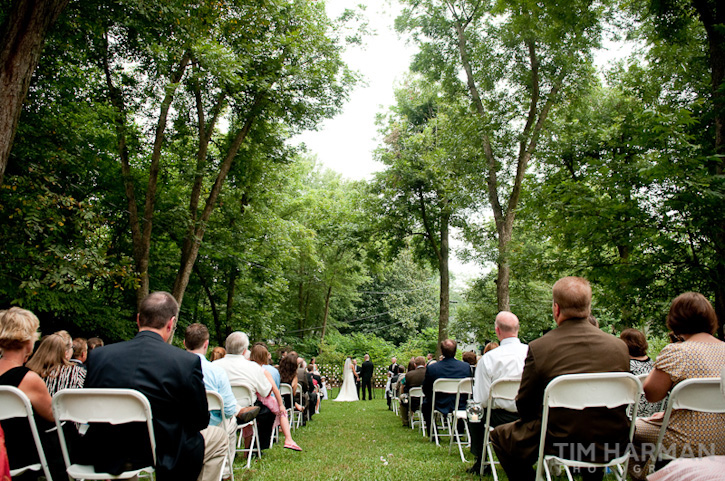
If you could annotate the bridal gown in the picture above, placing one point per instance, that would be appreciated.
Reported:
(348, 392)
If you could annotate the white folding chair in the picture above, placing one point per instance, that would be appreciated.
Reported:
(394, 397)
(245, 398)
(15, 404)
(300, 400)
(416, 392)
(216, 403)
(286, 390)
(697, 394)
(441, 386)
(580, 391)
(504, 389)
(102, 405)
(465, 386)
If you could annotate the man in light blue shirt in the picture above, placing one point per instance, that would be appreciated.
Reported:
(196, 341)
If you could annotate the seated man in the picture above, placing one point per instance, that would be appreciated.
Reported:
(172, 380)
(309, 396)
(80, 351)
(243, 372)
(448, 367)
(196, 341)
(503, 362)
(413, 378)
(575, 346)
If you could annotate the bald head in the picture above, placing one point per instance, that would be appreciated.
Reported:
(507, 325)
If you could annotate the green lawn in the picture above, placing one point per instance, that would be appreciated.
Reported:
(357, 441)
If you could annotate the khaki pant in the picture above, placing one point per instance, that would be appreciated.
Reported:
(216, 443)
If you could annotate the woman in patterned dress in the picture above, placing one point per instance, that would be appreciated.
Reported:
(51, 363)
(640, 363)
(696, 354)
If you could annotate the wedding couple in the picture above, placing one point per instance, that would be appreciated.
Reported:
(350, 377)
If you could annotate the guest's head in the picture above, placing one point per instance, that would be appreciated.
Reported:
(635, 341)
(237, 343)
(80, 349)
(506, 325)
(94, 342)
(68, 343)
(490, 347)
(469, 357)
(301, 362)
(429, 356)
(691, 313)
(310, 368)
(158, 312)
(411, 364)
(18, 330)
(259, 354)
(196, 338)
(448, 348)
(419, 361)
(51, 354)
(572, 298)
(217, 353)
(288, 367)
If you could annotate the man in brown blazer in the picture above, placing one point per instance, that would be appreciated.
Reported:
(575, 346)
(413, 378)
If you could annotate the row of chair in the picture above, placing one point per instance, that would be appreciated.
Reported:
(571, 391)
(118, 406)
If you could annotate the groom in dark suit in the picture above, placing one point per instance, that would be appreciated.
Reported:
(367, 377)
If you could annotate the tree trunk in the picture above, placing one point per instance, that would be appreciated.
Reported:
(503, 297)
(444, 282)
(21, 43)
(327, 311)
(231, 291)
(210, 296)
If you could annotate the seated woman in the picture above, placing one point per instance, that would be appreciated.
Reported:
(50, 363)
(640, 363)
(18, 333)
(273, 401)
(697, 353)
(288, 375)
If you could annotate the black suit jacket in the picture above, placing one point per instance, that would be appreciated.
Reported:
(173, 382)
(367, 371)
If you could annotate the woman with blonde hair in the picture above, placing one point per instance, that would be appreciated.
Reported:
(51, 363)
(18, 333)
(217, 353)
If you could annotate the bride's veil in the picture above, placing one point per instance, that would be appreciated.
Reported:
(346, 367)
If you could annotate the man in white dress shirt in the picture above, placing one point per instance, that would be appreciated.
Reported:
(242, 371)
(505, 361)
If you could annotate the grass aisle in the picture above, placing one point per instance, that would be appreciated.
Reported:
(356, 441)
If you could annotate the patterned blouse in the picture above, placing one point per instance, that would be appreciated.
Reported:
(688, 429)
(645, 409)
(65, 377)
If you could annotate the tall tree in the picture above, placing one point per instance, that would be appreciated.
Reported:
(520, 58)
(22, 34)
(421, 193)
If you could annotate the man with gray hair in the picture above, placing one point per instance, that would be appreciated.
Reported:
(506, 361)
(243, 372)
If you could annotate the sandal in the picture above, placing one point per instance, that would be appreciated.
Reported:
(292, 445)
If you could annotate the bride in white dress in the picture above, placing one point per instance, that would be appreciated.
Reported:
(348, 392)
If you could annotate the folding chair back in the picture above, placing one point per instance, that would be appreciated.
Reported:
(102, 405)
(697, 394)
(286, 390)
(245, 397)
(505, 389)
(216, 403)
(441, 386)
(416, 392)
(15, 404)
(465, 387)
(580, 391)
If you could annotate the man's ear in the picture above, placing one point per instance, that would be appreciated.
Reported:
(138, 322)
